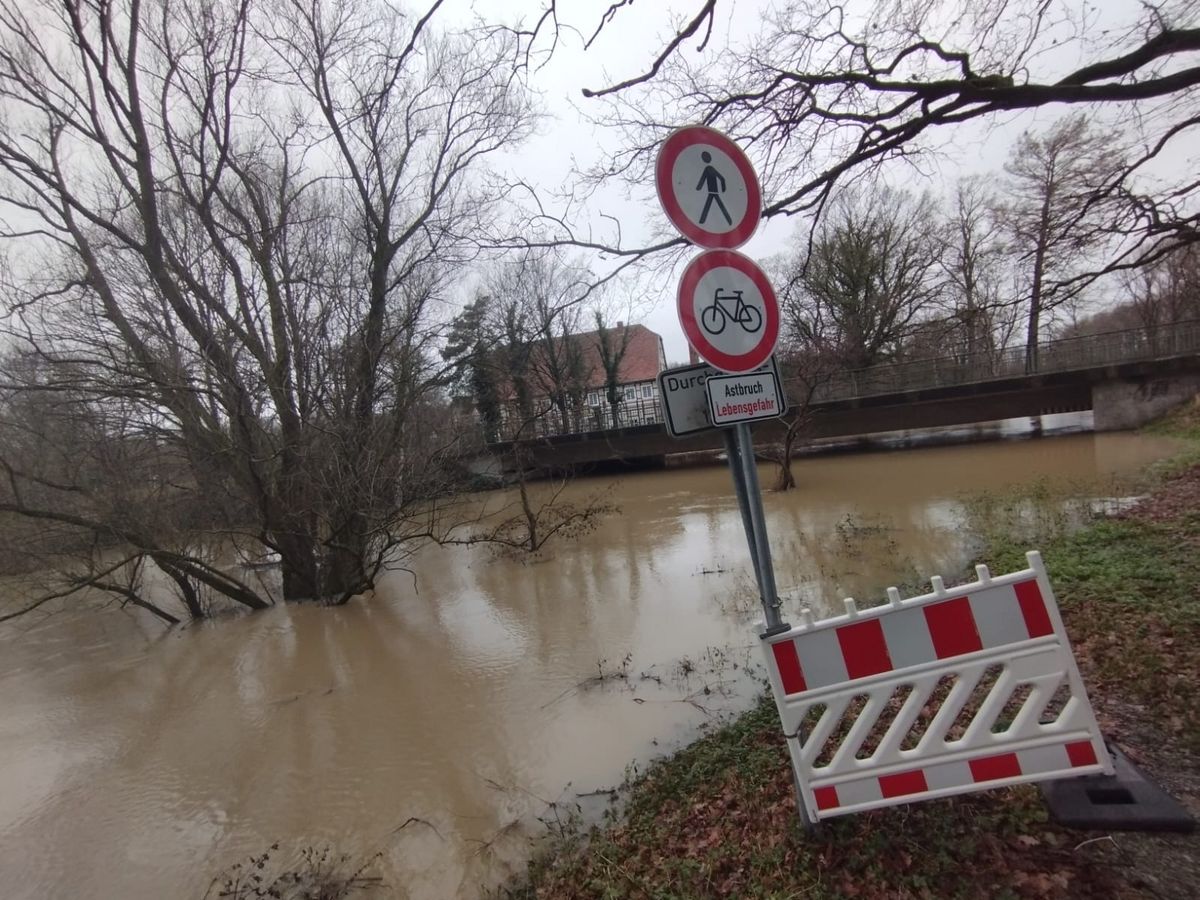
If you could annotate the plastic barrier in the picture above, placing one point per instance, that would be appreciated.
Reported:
(989, 664)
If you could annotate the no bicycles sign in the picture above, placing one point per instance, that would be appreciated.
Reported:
(728, 311)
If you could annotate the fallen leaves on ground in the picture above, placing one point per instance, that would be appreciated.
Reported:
(719, 818)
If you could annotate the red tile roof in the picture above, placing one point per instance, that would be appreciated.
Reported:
(641, 361)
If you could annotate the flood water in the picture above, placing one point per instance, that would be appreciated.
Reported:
(438, 723)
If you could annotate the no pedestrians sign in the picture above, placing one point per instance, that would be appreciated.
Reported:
(708, 188)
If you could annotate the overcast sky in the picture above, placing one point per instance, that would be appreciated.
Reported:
(628, 45)
(569, 141)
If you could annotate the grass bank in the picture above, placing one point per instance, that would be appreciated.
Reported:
(718, 819)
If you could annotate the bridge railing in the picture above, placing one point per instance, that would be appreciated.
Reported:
(630, 413)
(1061, 355)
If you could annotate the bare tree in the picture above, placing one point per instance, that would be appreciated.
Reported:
(612, 345)
(534, 307)
(826, 93)
(236, 221)
(974, 264)
(1161, 295)
(554, 292)
(807, 365)
(538, 514)
(518, 345)
(870, 277)
(1053, 212)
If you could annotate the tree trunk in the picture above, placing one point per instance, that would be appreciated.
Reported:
(187, 590)
(564, 414)
(344, 572)
(972, 324)
(531, 521)
(1035, 292)
(785, 480)
(1035, 312)
(1031, 339)
(298, 566)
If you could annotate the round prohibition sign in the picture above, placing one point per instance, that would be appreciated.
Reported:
(708, 188)
(728, 311)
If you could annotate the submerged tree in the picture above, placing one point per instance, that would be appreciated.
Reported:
(517, 346)
(235, 223)
(806, 365)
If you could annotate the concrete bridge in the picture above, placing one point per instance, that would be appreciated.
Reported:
(1125, 378)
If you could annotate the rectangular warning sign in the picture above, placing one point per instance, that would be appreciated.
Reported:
(685, 400)
(743, 398)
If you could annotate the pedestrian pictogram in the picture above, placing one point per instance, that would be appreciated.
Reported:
(714, 183)
(728, 311)
(708, 188)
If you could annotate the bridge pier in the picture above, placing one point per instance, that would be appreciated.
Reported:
(1132, 402)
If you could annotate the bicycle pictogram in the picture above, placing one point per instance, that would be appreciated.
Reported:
(714, 318)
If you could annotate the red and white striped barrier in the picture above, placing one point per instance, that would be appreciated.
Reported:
(999, 641)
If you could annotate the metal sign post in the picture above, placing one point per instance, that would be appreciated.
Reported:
(743, 467)
(730, 315)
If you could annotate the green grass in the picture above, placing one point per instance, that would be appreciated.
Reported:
(718, 819)
(1184, 424)
(1130, 596)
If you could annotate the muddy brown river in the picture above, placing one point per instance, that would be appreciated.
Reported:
(449, 723)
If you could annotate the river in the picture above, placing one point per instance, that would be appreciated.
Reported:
(449, 722)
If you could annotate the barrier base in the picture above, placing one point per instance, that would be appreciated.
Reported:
(1124, 801)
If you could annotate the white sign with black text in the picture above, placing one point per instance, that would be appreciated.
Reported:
(743, 398)
(685, 400)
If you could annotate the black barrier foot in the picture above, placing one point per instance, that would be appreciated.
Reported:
(1124, 801)
(778, 629)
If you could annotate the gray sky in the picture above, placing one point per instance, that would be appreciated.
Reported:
(627, 46)
(569, 141)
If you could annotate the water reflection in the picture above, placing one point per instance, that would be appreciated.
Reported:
(435, 723)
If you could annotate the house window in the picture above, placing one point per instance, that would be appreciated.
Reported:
(592, 399)
(647, 391)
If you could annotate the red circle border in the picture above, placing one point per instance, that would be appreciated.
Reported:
(676, 142)
(727, 362)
